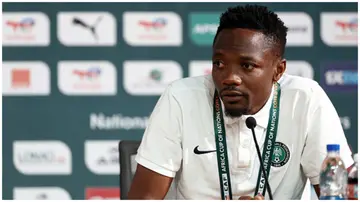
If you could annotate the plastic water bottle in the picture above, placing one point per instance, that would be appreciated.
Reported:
(333, 177)
(352, 193)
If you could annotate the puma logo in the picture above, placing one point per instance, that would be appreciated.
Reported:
(79, 22)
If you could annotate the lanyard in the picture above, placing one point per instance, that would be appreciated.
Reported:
(221, 149)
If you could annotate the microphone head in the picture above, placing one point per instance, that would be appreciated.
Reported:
(250, 122)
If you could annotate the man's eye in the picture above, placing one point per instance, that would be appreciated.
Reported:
(247, 66)
(218, 64)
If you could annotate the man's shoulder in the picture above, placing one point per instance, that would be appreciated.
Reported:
(305, 86)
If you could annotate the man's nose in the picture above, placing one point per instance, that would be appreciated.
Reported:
(232, 79)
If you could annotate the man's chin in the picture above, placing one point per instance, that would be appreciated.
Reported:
(235, 112)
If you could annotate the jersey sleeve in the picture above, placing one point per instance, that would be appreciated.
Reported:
(324, 127)
(160, 149)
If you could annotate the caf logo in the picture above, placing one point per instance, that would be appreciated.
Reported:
(281, 155)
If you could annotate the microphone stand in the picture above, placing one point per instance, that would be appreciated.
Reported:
(262, 165)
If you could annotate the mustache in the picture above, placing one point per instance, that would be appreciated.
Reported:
(233, 88)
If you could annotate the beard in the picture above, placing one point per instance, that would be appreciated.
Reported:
(236, 112)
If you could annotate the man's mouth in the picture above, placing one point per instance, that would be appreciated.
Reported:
(232, 96)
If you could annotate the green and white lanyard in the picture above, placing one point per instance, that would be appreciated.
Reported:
(221, 149)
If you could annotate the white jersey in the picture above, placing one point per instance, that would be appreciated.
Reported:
(183, 120)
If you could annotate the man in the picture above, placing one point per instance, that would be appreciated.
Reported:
(197, 132)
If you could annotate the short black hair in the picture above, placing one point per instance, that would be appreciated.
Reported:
(258, 18)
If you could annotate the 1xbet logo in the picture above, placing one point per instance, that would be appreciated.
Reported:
(339, 77)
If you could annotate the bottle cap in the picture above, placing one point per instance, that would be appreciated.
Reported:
(333, 147)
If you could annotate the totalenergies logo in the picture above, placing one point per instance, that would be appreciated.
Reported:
(351, 25)
(91, 73)
(156, 24)
(25, 24)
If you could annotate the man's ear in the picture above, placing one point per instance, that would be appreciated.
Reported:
(279, 70)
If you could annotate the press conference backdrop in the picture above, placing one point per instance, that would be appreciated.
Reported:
(79, 77)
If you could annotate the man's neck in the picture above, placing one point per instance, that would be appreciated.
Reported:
(255, 109)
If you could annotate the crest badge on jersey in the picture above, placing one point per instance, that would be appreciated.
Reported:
(281, 155)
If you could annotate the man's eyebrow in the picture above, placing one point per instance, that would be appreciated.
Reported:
(240, 55)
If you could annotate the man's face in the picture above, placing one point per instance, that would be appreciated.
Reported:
(244, 66)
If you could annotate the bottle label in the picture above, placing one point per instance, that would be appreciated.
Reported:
(331, 198)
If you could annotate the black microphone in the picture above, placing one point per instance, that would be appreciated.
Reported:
(251, 124)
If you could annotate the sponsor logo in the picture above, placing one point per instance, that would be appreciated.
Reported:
(26, 29)
(102, 193)
(86, 28)
(339, 76)
(42, 157)
(25, 24)
(152, 28)
(102, 156)
(150, 77)
(345, 122)
(203, 27)
(300, 68)
(87, 78)
(100, 121)
(92, 28)
(339, 29)
(300, 28)
(91, 73)
(20, 78)
(25, 78)
(199, 152)
(281, 155)
(199, 68)
(157, 24)
(40, 193)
